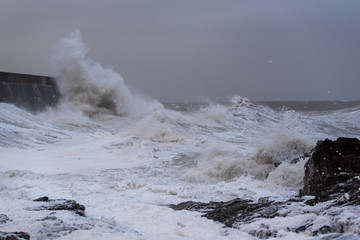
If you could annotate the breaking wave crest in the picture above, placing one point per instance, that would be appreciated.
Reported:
(260, 163)
(90, 87)
(247, 139)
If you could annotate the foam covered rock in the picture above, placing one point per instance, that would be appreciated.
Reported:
(60, 204)
(14, 236)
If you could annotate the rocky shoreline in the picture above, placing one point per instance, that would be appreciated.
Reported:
(331, 183)
(332, 176)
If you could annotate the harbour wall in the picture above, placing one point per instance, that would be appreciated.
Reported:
(31, 92)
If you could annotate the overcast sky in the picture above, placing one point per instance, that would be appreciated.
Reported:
(191, 49)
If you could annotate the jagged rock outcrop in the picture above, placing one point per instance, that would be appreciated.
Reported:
(59, 204)
(14, 236)
(333, 171)
(235, 211)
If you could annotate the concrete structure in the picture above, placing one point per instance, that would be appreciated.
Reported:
(28, 91)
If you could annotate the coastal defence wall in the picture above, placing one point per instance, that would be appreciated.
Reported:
(31, 92)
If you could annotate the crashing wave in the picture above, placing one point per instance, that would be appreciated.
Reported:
(90, 87)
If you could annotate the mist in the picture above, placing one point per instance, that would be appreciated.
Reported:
(193, 50)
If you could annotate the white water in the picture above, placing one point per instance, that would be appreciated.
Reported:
(126, 157)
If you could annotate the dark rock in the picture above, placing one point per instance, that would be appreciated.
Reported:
(347, 193)
(332, 162)
(232, 212)
(60, 204)
(333, 172)
(4, 218)
(323, 230)
(14, 236)
(42, 199)
(302, 228)
(242, 211)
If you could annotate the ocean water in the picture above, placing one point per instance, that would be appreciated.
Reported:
(127, 157)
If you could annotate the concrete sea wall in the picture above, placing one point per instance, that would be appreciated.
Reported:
(31, 92)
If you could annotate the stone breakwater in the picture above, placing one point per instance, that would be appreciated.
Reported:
(31, 92)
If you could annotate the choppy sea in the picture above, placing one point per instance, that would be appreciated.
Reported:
(126, 158)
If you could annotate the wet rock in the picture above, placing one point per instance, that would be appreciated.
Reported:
(347, 193)
(242, 211)
(59, 204)
(323, 230)
(53, 227)
(332, 162)
(42, 199)
(263, 232)
(333, 172)
(302, 228)
(232, 212)
(4, 218)
(14, 236)
(238, 212)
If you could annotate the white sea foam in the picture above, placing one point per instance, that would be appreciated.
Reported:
(126, 171)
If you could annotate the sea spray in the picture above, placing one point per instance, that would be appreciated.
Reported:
(260, 138)
(88, 86)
